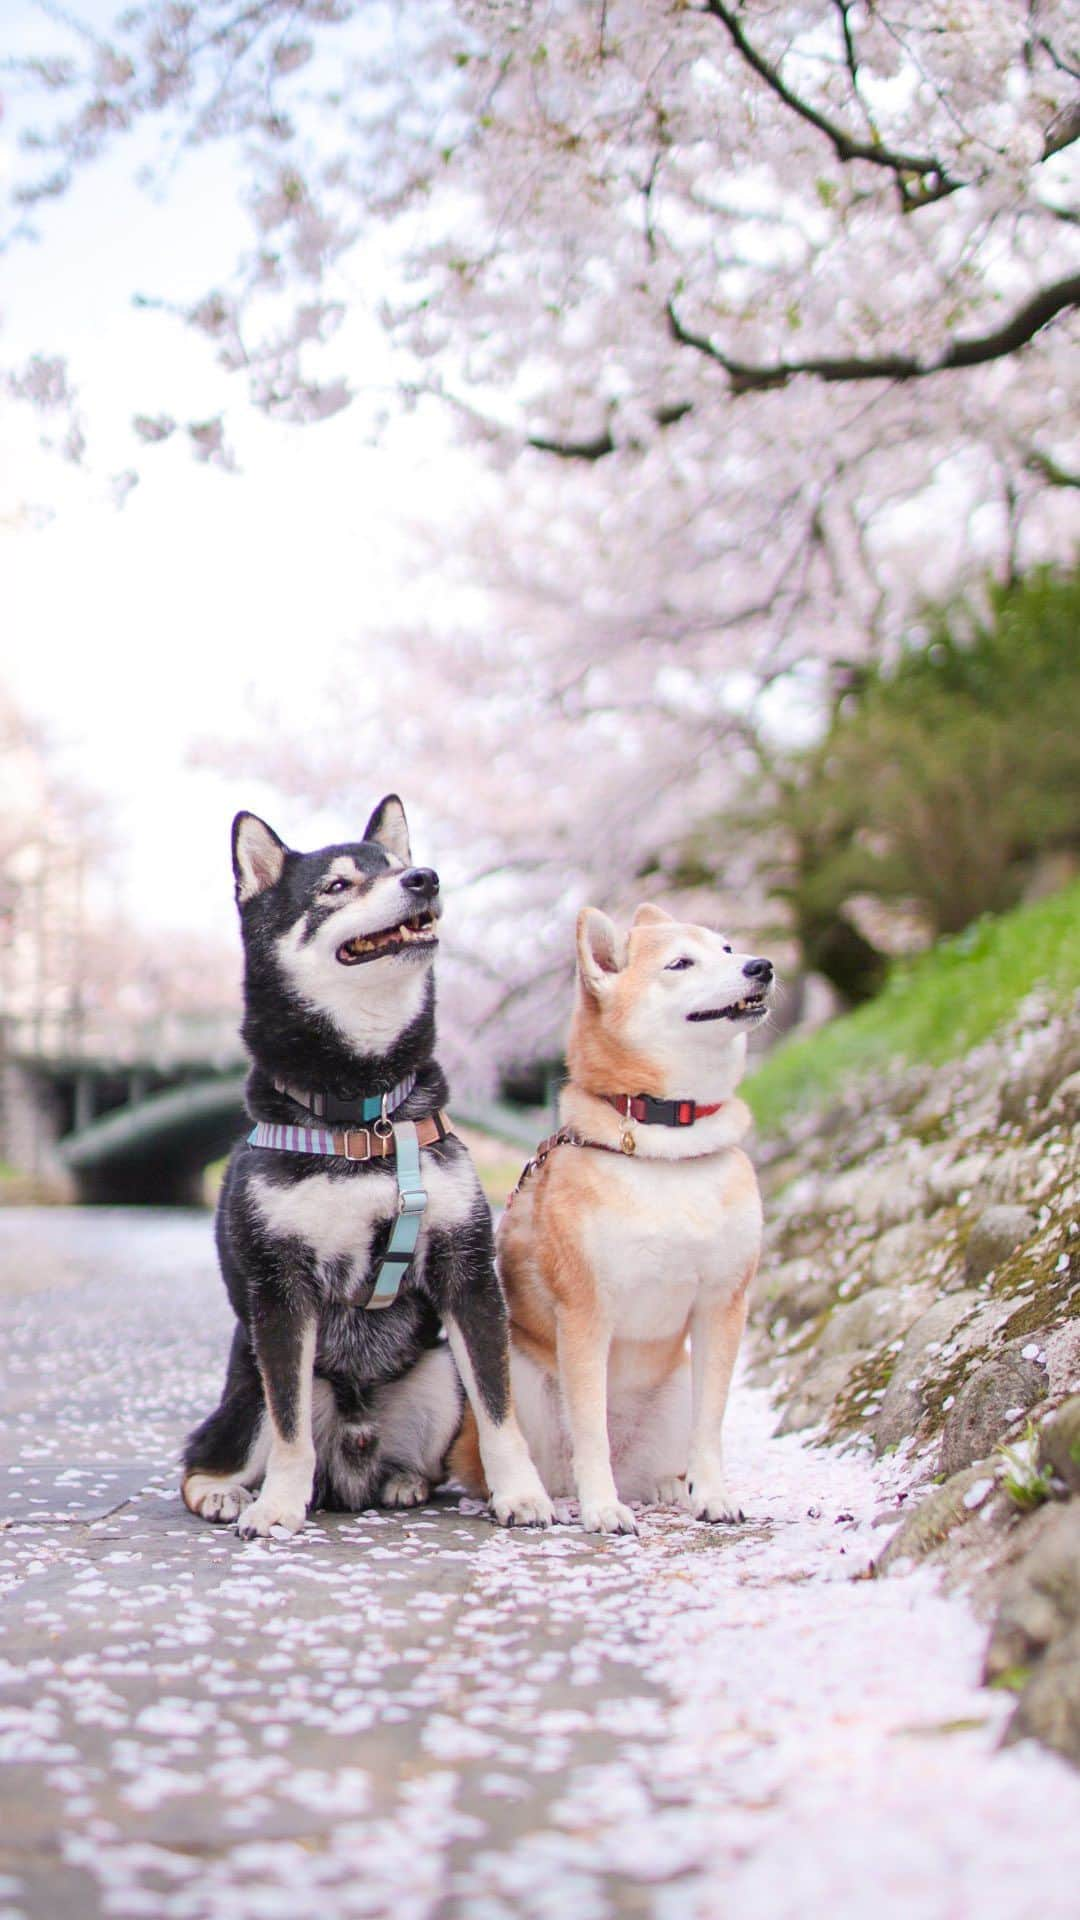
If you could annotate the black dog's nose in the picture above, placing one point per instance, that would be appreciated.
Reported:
(423, 881)
(759, 970)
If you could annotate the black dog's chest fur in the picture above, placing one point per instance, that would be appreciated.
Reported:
(321, 1227)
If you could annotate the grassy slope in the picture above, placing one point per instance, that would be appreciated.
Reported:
(932, 1009)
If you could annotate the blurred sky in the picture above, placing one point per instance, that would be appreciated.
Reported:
(133, 632)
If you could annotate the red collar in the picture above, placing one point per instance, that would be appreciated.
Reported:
(659, 1113)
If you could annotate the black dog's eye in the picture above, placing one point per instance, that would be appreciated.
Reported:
(676, 966)
(335, 886)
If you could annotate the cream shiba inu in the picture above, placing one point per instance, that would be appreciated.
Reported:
(636, 1227)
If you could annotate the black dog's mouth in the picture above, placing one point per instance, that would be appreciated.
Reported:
(751, 1007)
(417, 933)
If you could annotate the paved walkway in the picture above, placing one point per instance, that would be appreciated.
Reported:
(425, 1717)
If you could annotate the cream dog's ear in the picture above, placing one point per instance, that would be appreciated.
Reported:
(647, 915)
(601, 950)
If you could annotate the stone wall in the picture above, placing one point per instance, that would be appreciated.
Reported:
(920, 1297)
(29, 1130)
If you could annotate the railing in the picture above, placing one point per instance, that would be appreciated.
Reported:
(164, 1043)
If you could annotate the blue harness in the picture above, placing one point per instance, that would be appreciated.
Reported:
(411, 1198)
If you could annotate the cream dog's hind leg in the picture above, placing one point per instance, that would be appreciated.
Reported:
(651, 1450)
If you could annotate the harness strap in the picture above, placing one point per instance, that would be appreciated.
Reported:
(412, 1200)
(402, 1142)
(567, 1137)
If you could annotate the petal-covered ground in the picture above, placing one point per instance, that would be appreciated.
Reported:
(419, 1715)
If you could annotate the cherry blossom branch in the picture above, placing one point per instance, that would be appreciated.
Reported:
(1035, 314)
(1051, 470)
(1029, 320)
(851, 58)
(599, 445)
(935, 181)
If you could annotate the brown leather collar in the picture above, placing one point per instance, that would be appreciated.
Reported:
(365, 1143)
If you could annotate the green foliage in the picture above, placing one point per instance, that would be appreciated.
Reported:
(1022, 1478)
(940, 779)
(933, 1008)
(1011, 1679)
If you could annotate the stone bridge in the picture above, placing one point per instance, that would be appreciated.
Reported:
(132, 1118)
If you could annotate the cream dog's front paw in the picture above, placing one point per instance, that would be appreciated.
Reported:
(607, 1516)
(708, 1498)
(524, 1506)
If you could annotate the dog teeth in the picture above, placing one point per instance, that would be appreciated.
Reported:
(418, 928)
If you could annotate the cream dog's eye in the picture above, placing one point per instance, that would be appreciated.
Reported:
(674, 966)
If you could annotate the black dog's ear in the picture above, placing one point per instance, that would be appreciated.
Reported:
(258, 856)
(389, 828)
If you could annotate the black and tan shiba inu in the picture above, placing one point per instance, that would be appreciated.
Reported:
(333, 1395)
(637, 1227)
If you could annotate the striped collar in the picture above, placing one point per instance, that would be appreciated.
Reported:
(379, 1142)
(349, 1109)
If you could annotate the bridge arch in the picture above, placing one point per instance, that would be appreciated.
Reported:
(155, 1151)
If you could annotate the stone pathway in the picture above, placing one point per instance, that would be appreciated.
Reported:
(425, 1717)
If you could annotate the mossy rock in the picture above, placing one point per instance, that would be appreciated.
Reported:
(865, 1322)
(1065, 1101)
(1041, 1600)
(1006, 1384)
(858, 1401)
(1050, 1293)
(949, 1506)
(919, 1380)
(1049, 1707)
(1059, 1444)
(810, 1403)
(897, 1255)
(996, 1235)
(797, 1292)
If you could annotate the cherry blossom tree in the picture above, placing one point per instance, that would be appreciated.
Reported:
(74, 972)
(761, 316)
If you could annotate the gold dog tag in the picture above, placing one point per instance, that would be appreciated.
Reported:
(627, 1142)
